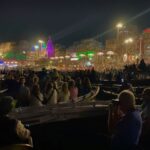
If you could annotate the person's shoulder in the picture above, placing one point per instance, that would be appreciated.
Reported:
(136, 115)
(136, 112)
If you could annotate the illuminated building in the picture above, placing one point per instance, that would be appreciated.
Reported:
(50, 49)
(128, 31)
(111, 44)
(145, 45)
(5, 47)
(120, 45)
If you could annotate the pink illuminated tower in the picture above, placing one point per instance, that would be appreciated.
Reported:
(50, 48)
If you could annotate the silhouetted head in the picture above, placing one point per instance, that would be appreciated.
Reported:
(146, 95)
(7, 103)
(126, 101)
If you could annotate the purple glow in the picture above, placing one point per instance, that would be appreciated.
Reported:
(50, 49)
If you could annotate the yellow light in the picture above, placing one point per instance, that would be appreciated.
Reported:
(110, 53)
(40, 41)
(126, 41)
(67, 56)
(119, 25)
(129, 40)
(74, 59)
(82, 55)
(100, 53)
(61, 57)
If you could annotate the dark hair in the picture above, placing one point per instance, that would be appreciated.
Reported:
(49, 86)
(35, 90)
(6, 105)
(71, 84)
(146, 91)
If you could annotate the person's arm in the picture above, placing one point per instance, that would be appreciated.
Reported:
(55, 96)
(22, 132)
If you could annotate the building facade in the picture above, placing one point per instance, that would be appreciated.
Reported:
(146, 45)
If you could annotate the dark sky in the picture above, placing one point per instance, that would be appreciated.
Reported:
(66, 20)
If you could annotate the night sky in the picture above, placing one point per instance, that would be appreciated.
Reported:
(67, 20)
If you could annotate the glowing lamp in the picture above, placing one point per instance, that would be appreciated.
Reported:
(74, 59)
(100, 53)
(40, 41)
(61, 57)
(67, 56)
(82, 55)
(36, 47)
(119, 25)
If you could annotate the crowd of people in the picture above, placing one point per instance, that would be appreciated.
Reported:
(44, 88)
(128, 125)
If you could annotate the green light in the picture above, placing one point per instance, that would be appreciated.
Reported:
(9, 55)
(88, 54)
(12, 55)
(44, 46)
(91, 54)
(82, 55)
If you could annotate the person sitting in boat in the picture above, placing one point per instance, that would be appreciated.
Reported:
(64, 93)
(12, 131)
(87, 87)
(36, 96)
(35, 79)
(79, 86)
(50, 94)
(67, 78)
(59, 81)
(73, 91)
(126, 122)
(55, 86)
(23, 94)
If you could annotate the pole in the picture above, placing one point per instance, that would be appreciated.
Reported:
(118, 30)
(140, 53)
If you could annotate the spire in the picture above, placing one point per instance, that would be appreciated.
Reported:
(50, 48)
